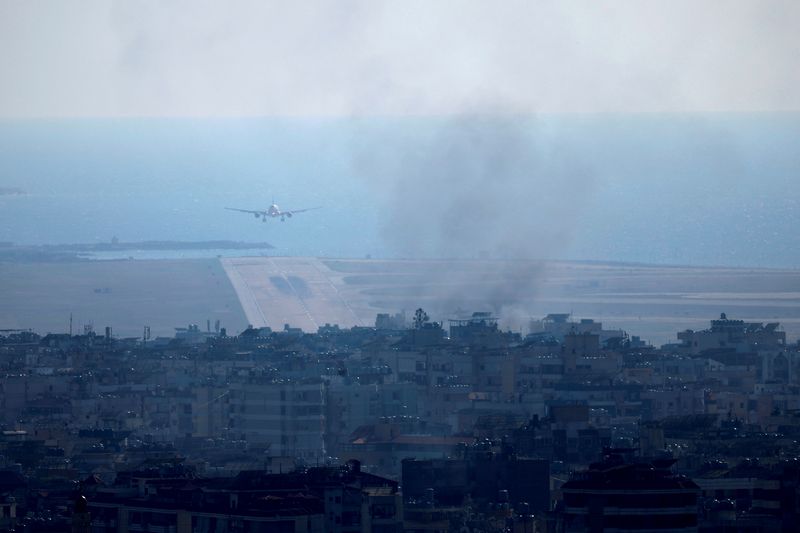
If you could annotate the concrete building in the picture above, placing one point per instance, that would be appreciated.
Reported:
(737, 335)
(289, 416)
(479, 473)
(620, 494)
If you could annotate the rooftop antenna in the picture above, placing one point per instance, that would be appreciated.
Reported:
(70, 324)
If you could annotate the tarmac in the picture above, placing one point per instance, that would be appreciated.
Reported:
(651, 301)
(302, 292)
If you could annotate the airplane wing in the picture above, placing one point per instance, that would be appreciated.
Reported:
(246, 211)
(301, 210)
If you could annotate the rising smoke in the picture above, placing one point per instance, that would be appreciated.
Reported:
(501, 191)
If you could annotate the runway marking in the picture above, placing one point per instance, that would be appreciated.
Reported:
(297, 294)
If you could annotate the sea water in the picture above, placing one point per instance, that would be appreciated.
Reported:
(686, 189)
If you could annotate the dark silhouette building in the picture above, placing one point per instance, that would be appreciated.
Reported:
(480, 474)
(624, 494)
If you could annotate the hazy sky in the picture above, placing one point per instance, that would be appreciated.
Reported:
(239, 58)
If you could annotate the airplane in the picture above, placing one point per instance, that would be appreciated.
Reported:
(273, 212)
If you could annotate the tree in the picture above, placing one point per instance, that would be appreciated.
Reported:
(420, 318)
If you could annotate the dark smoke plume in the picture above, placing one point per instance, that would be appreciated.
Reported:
(500, 190)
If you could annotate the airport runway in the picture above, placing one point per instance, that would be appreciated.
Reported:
(283, 290)
(651, 301)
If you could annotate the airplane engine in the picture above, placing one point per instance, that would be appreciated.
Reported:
(256, 215)
(289, 215)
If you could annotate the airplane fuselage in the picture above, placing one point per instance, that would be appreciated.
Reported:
(273, 211)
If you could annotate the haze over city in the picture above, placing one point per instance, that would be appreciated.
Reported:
(399, 266)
